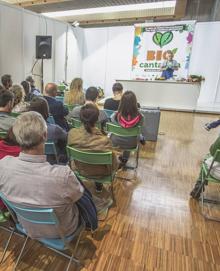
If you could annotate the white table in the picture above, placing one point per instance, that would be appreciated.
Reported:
(173, 95)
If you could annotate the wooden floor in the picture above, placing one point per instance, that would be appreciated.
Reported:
(155, 226)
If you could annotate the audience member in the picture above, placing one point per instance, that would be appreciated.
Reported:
(6, 81)
(19, 96)
(9, 145)
(75, 95)
(91, 98)
(89, 137)
(215, 172)
(113, 103)
(6, 105)
(27, 89)
(56, 108)
(127, 116)
(34, 90)
(54, 132)
(31, 181)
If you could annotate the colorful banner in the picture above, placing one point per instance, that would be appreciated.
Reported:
(151, 43)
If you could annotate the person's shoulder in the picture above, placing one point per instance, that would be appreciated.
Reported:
(59, 171)
(7, 160)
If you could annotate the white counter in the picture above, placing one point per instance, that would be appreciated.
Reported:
(172, 95)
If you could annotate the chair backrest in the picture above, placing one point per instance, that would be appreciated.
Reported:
(50, 148)
(123, 132)
(76, 123)
(14, 114)
(89, 157)
(60, 98)
(33, 215)
(3, 134)
(70, 107)
(109, 112)
(61, 88)
(51, 120)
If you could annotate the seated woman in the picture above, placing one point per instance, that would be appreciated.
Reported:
(75, 95)
(8, 146)
(19, 96)
(215, 172)
(54, 132)
(30, 180)
(88, 137)
(127, 116)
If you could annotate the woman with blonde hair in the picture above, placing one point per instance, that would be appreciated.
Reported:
(19, 96)
(75, 95)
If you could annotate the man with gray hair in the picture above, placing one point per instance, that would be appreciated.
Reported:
(30, 180)
(56, 108)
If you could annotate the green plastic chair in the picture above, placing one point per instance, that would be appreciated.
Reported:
(70, 107)
(76, 123)
(15, 115)
(93, 158)
(61, 88)
(207, 178)
(128, 132)
(3, 134)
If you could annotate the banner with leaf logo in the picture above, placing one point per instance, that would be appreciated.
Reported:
(152, 41)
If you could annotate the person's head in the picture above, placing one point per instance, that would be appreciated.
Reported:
(51, 90)
(89, 115)
(10, 138)
(92, 94)
(30, 131)
(128, 105)
(31, 81)
(27, 88)
(169, 55)
(76, 85)
(19, 94)
(117, 89)
(6, 81)
(6, 100)
(40, 105)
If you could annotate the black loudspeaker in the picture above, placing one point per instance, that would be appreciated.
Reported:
(43, 47)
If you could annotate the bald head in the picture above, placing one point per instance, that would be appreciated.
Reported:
(51, 89)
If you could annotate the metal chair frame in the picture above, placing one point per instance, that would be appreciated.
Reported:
(25, 212)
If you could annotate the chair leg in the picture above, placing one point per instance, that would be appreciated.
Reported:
(20, 255)
(6, 247)
(73, 259)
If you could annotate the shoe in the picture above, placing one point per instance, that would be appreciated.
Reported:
(102, 204)
(207, 127)
(123, 162)
(99, 187)
(197, 190)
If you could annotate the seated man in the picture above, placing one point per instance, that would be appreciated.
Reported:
(113, 103)
(34, 90)
(91, 96)
(215, 172)
(6, 106)
(56, 108)
(54, 132)
(31, 181)
(6, 81)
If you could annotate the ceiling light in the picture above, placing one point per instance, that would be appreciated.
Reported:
(75, 23)
(88, 11)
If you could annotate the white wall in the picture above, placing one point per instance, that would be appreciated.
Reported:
(108, 53)
(18, 28)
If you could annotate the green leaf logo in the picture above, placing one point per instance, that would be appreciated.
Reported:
(157, 38)
(162, 39)
(174, 50)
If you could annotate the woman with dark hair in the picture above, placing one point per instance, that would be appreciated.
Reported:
(88, 137)
(127, 116)
(27, 89)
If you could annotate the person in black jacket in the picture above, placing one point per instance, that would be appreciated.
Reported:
(113, 103)
(56, 108)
